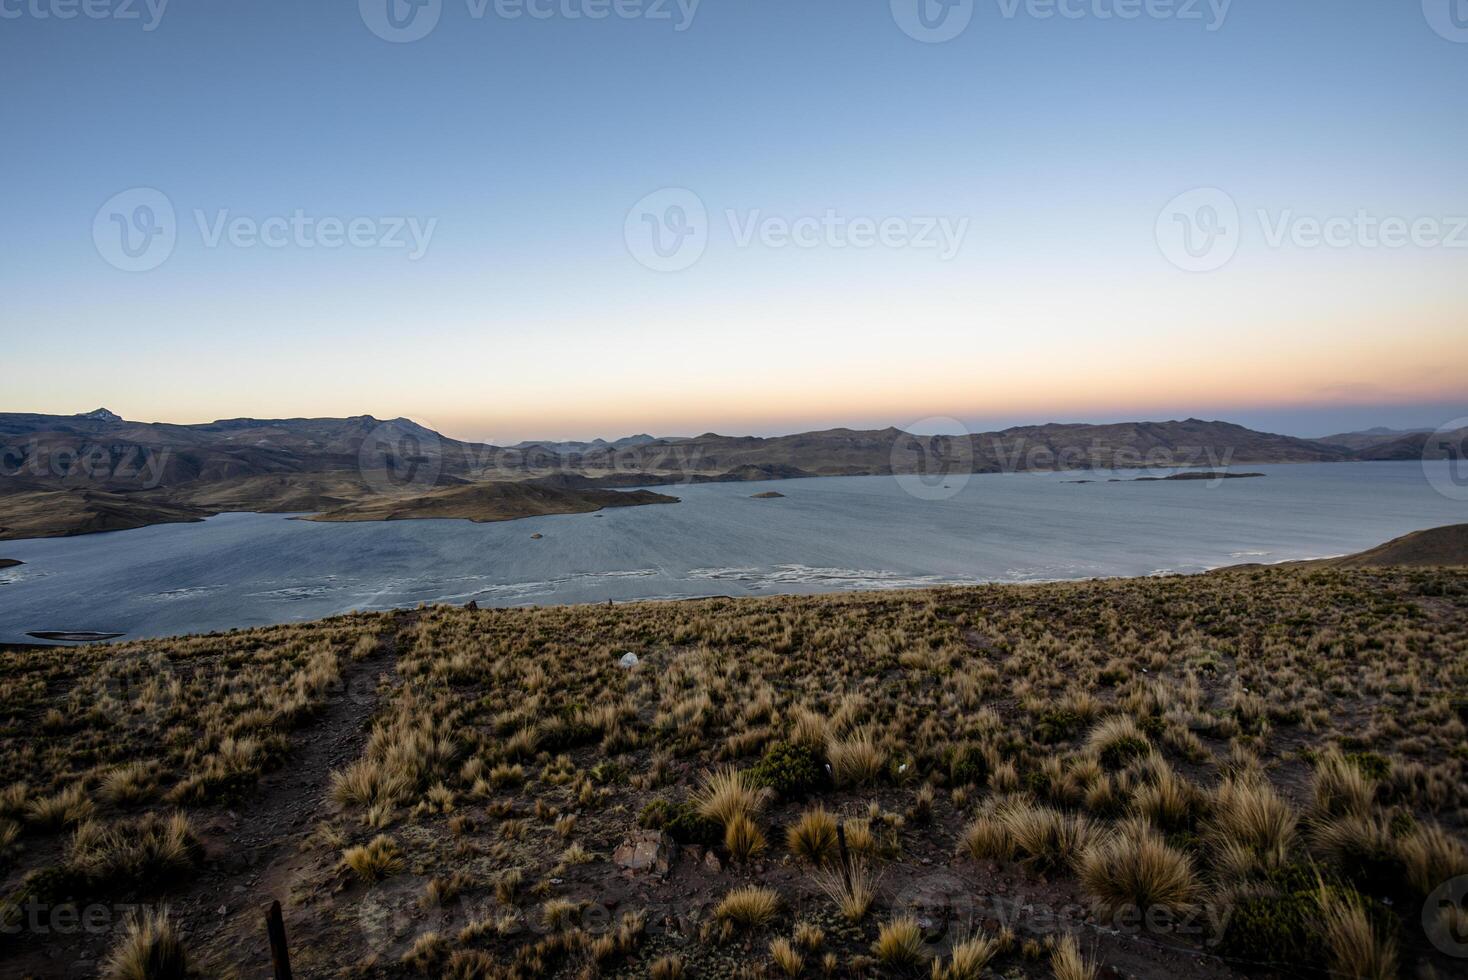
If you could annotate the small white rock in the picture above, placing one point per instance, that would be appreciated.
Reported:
(628, 661)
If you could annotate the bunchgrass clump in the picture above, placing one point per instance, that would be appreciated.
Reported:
(853, 890)
(812, 837)
(749, 907)
(1067, 962)
(727, 793)
(1137, 869)
(376, 860)
(150, 949)
(899, 944)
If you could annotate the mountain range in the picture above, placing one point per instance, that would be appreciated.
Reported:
(96, 471)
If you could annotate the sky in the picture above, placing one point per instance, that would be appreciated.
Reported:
(515, 219)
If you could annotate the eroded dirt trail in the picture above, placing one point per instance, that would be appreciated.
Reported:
(256, 849)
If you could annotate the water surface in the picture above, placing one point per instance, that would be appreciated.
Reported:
(825, 535)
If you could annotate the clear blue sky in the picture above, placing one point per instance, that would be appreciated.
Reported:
(526, 142)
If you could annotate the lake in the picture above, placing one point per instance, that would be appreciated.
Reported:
(834, 534)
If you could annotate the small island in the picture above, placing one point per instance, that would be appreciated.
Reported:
(9, 563)
(1189, 475)
(488, 502)
(1199, 475)
(767, 495)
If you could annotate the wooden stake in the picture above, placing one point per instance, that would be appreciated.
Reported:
(279, 955)
(845, 854)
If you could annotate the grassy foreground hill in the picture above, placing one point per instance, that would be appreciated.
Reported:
(1260, 772)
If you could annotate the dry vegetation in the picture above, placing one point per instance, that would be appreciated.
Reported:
(1253, 773)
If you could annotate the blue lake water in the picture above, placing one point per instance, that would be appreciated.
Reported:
(826, 535)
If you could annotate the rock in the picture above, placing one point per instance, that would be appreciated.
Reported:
(628, 661)
(768, 495)
(472, 606)
(711, 862)
(644, 850)
(536, 536)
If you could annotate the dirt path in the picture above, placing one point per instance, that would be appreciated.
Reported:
(255, 849)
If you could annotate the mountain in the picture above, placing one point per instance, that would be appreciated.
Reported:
(845, 452)
(1367, 438)
(116, 473)
(596, 445)
(1403, 444)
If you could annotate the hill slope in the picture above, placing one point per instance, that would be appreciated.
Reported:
(459, 792)
(1436, 546)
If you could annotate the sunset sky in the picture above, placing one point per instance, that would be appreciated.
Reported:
(525, 144)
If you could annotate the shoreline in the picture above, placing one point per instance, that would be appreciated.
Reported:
(320, 516)
(1446, 539)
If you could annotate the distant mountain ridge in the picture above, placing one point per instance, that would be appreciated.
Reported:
(594, 445)
(146, 472)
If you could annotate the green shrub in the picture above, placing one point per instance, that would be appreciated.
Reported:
(1273, 929)
(684, 824)
(791, 771)
(1372, 764)
(1153, 726)
(655, 815)
(1123, 750)
(1056, 726)
(968, 765)
(1280, 926)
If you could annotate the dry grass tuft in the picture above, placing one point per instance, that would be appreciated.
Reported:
(1137, 869)
(64, 809)
(150, 949)
(968, 958)
(151, 850)
(899, 944)
(1044, 837)
(1341, 788)
(376, 860)
(812, 837)
(852, 892)
(1431, 857)
(1067, 962)
(1356, 949)
(856, 760)
(727, 793)
(1252, 820)
(743, 839)
(666, 968)
(987, 838)
(787, 958)
(749, 907)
